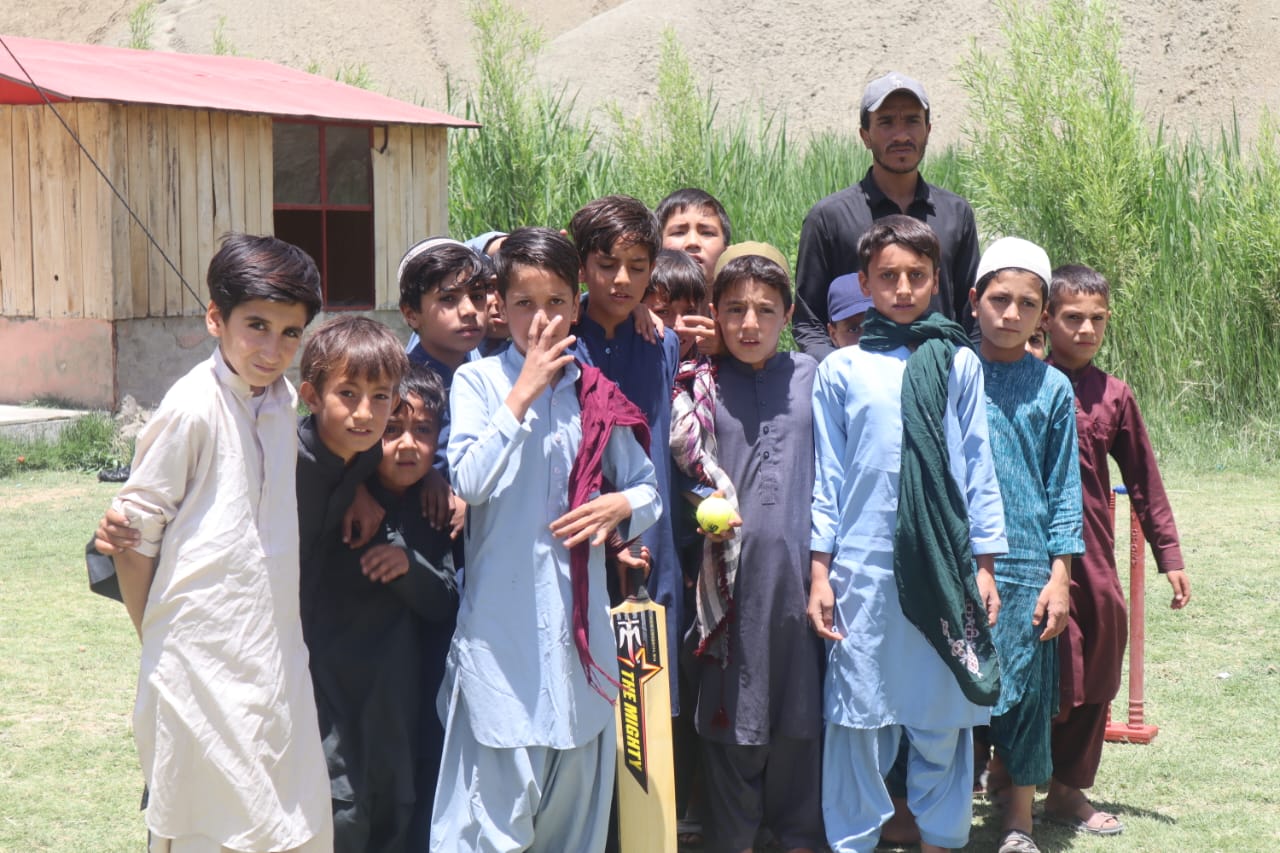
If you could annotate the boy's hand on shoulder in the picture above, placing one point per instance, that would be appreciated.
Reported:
(362, 519)
(1181, 584)
(543, 361)
(437, 507)
(987, 587)
(114, 535)
(384, 563)
(593, 521)
(458, 516)
(648, 324)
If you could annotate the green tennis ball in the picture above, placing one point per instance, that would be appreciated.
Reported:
(714, 515)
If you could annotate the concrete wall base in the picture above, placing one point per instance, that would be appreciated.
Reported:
(153, 353)
(67, 361)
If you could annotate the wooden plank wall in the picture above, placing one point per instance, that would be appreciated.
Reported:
(400, 225)
(40, 268)
(55, 228)
(11, 270)
(97, 202)
(68, 247)
(410, 198)
(194, 175)
(431, 159)
(384, 268)
(72, 250)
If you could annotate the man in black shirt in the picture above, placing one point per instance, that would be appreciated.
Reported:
(895, 129)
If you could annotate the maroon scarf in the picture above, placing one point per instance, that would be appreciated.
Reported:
(604, 407)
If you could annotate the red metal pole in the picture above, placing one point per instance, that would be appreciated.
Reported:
(1135, 731)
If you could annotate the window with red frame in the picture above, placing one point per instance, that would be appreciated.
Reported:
(324, 203)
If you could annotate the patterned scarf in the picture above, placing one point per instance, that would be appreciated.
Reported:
(604, 407)
(932, 556)
(693, 448)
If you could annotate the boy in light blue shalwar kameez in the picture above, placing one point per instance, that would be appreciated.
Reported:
(886, 677)
(532, 671)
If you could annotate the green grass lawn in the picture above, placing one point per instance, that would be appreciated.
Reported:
(69, 779)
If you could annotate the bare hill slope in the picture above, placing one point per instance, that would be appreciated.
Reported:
(1193, 60)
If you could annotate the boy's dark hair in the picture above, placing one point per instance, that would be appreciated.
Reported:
(692, 197)
(612, 222)
(424, 383)
(676, 276)
(251, 267)
(1076, 279)
(487, 270)
(540, 248)
(449, 266)
(898, 230)
(357, 346)
(755, 267)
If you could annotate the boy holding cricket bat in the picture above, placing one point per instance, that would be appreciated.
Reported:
(743, 426)
(531, 676)
(905, 497)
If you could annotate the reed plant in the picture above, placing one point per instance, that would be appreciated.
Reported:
(142, 25)
(1186, 229)
(534, 159)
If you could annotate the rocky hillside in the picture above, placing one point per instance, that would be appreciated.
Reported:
(1194, 61)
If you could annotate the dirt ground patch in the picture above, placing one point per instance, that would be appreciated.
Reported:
(54, 491)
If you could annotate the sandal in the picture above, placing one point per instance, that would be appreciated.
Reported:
(1099, 823)
(689, 833)
(1017, 841)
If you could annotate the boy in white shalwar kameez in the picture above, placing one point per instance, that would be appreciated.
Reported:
(225, 719)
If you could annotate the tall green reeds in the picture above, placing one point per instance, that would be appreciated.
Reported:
(1187, 230)
(142, 25)
(533, 160)
(536, 160)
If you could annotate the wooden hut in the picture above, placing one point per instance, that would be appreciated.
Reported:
(90, 310)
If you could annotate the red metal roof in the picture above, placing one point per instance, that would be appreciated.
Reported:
(85, 72)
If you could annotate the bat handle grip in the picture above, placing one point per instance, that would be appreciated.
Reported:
(635, 575)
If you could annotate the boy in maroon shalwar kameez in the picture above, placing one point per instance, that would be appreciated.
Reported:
(1091, 650)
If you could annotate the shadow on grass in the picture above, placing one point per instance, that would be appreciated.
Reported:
(1120, 810)
(1049, 836)
(985, 833)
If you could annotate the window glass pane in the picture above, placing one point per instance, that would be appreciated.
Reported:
(302, 229)
(349, 271)
(348, 160)
(296, 158)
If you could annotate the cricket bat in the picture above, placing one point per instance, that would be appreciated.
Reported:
(646, 768)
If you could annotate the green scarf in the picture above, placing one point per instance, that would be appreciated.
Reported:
(932, 557)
